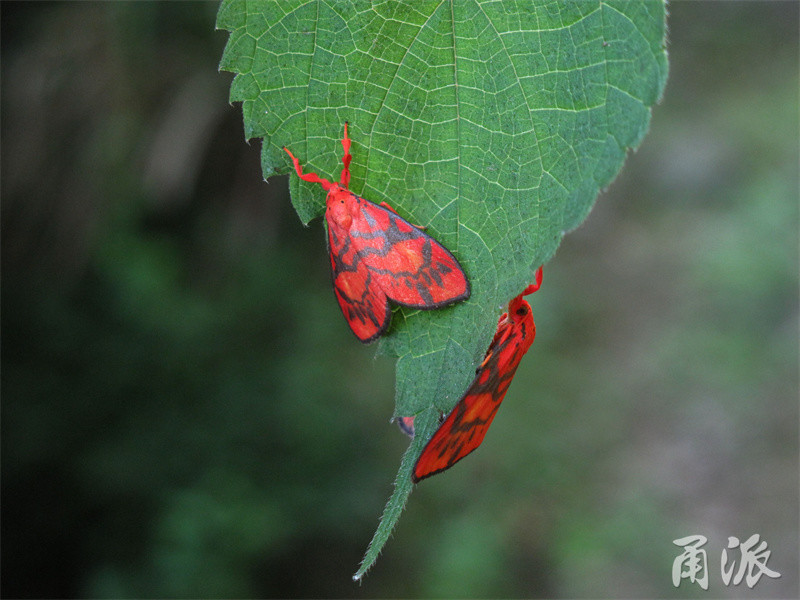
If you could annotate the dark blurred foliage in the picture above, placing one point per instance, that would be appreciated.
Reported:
(186, 414)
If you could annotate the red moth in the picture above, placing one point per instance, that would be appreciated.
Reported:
(377, 256)
(464, 428)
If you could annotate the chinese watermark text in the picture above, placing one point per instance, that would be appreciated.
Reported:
(748, 564)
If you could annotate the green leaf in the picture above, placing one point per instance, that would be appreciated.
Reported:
(495, 124)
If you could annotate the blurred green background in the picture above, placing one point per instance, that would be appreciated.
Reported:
(186, 414)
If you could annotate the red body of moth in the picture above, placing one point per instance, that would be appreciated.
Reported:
(465, 427)
(377, 256)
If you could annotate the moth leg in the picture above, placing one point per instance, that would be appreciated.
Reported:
(345, 180)
(310, 177)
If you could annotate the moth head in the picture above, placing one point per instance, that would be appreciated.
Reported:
(518, 309)
(338, 206)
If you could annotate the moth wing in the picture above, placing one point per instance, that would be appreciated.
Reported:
(411, 267)
(406, 425)
(461, 433)
(363, 302)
